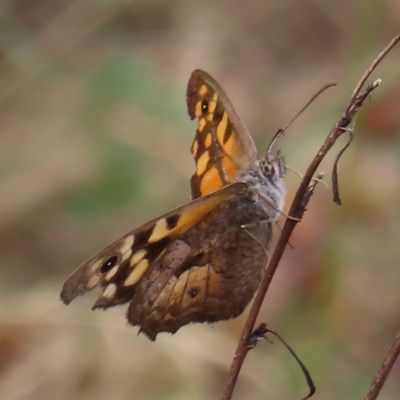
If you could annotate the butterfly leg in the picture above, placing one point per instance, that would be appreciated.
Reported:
(256, 240)
(273, 205)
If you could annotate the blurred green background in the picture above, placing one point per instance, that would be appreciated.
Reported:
(94, 141)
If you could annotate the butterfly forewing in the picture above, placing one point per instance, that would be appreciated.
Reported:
(222, 146)
(119, 267)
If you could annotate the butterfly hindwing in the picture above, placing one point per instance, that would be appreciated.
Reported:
(222, 146)
(119, 267)
(208, 274)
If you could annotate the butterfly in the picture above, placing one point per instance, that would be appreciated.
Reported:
(203, 261)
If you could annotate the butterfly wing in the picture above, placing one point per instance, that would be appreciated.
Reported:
(222, 147)
(119, 267)
(208, 274)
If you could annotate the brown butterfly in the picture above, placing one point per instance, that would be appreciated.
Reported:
(201, 262)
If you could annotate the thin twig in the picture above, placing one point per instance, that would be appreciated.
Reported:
(260, 334)
(352, 111)
(386, 367)
(335, 181)
(296, 209)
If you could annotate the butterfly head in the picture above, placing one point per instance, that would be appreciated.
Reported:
(266, 181)
(273, 168)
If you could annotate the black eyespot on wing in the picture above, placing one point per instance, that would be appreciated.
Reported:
(204, 107)
(193, 292)
(107, 266)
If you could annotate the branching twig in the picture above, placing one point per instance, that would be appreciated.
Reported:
(297, 209)
(386, 367)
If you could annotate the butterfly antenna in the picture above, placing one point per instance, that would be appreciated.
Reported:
(281, 131)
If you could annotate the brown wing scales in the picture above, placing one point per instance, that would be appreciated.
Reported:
(209, 274)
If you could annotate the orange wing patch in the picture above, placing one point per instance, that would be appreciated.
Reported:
(222, 146)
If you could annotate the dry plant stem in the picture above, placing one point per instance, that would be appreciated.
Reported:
(296, 210)
(261, 333)
(384, 371)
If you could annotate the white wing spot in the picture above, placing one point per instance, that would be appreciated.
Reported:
(93, 281)
(112, 272)
(126, 255)
(96, 266)
(127, 244)
(110, 290)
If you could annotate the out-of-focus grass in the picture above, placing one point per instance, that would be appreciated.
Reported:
(95, 140)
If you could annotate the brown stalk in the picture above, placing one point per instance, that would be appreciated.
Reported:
(297, 210)
(386, 367)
